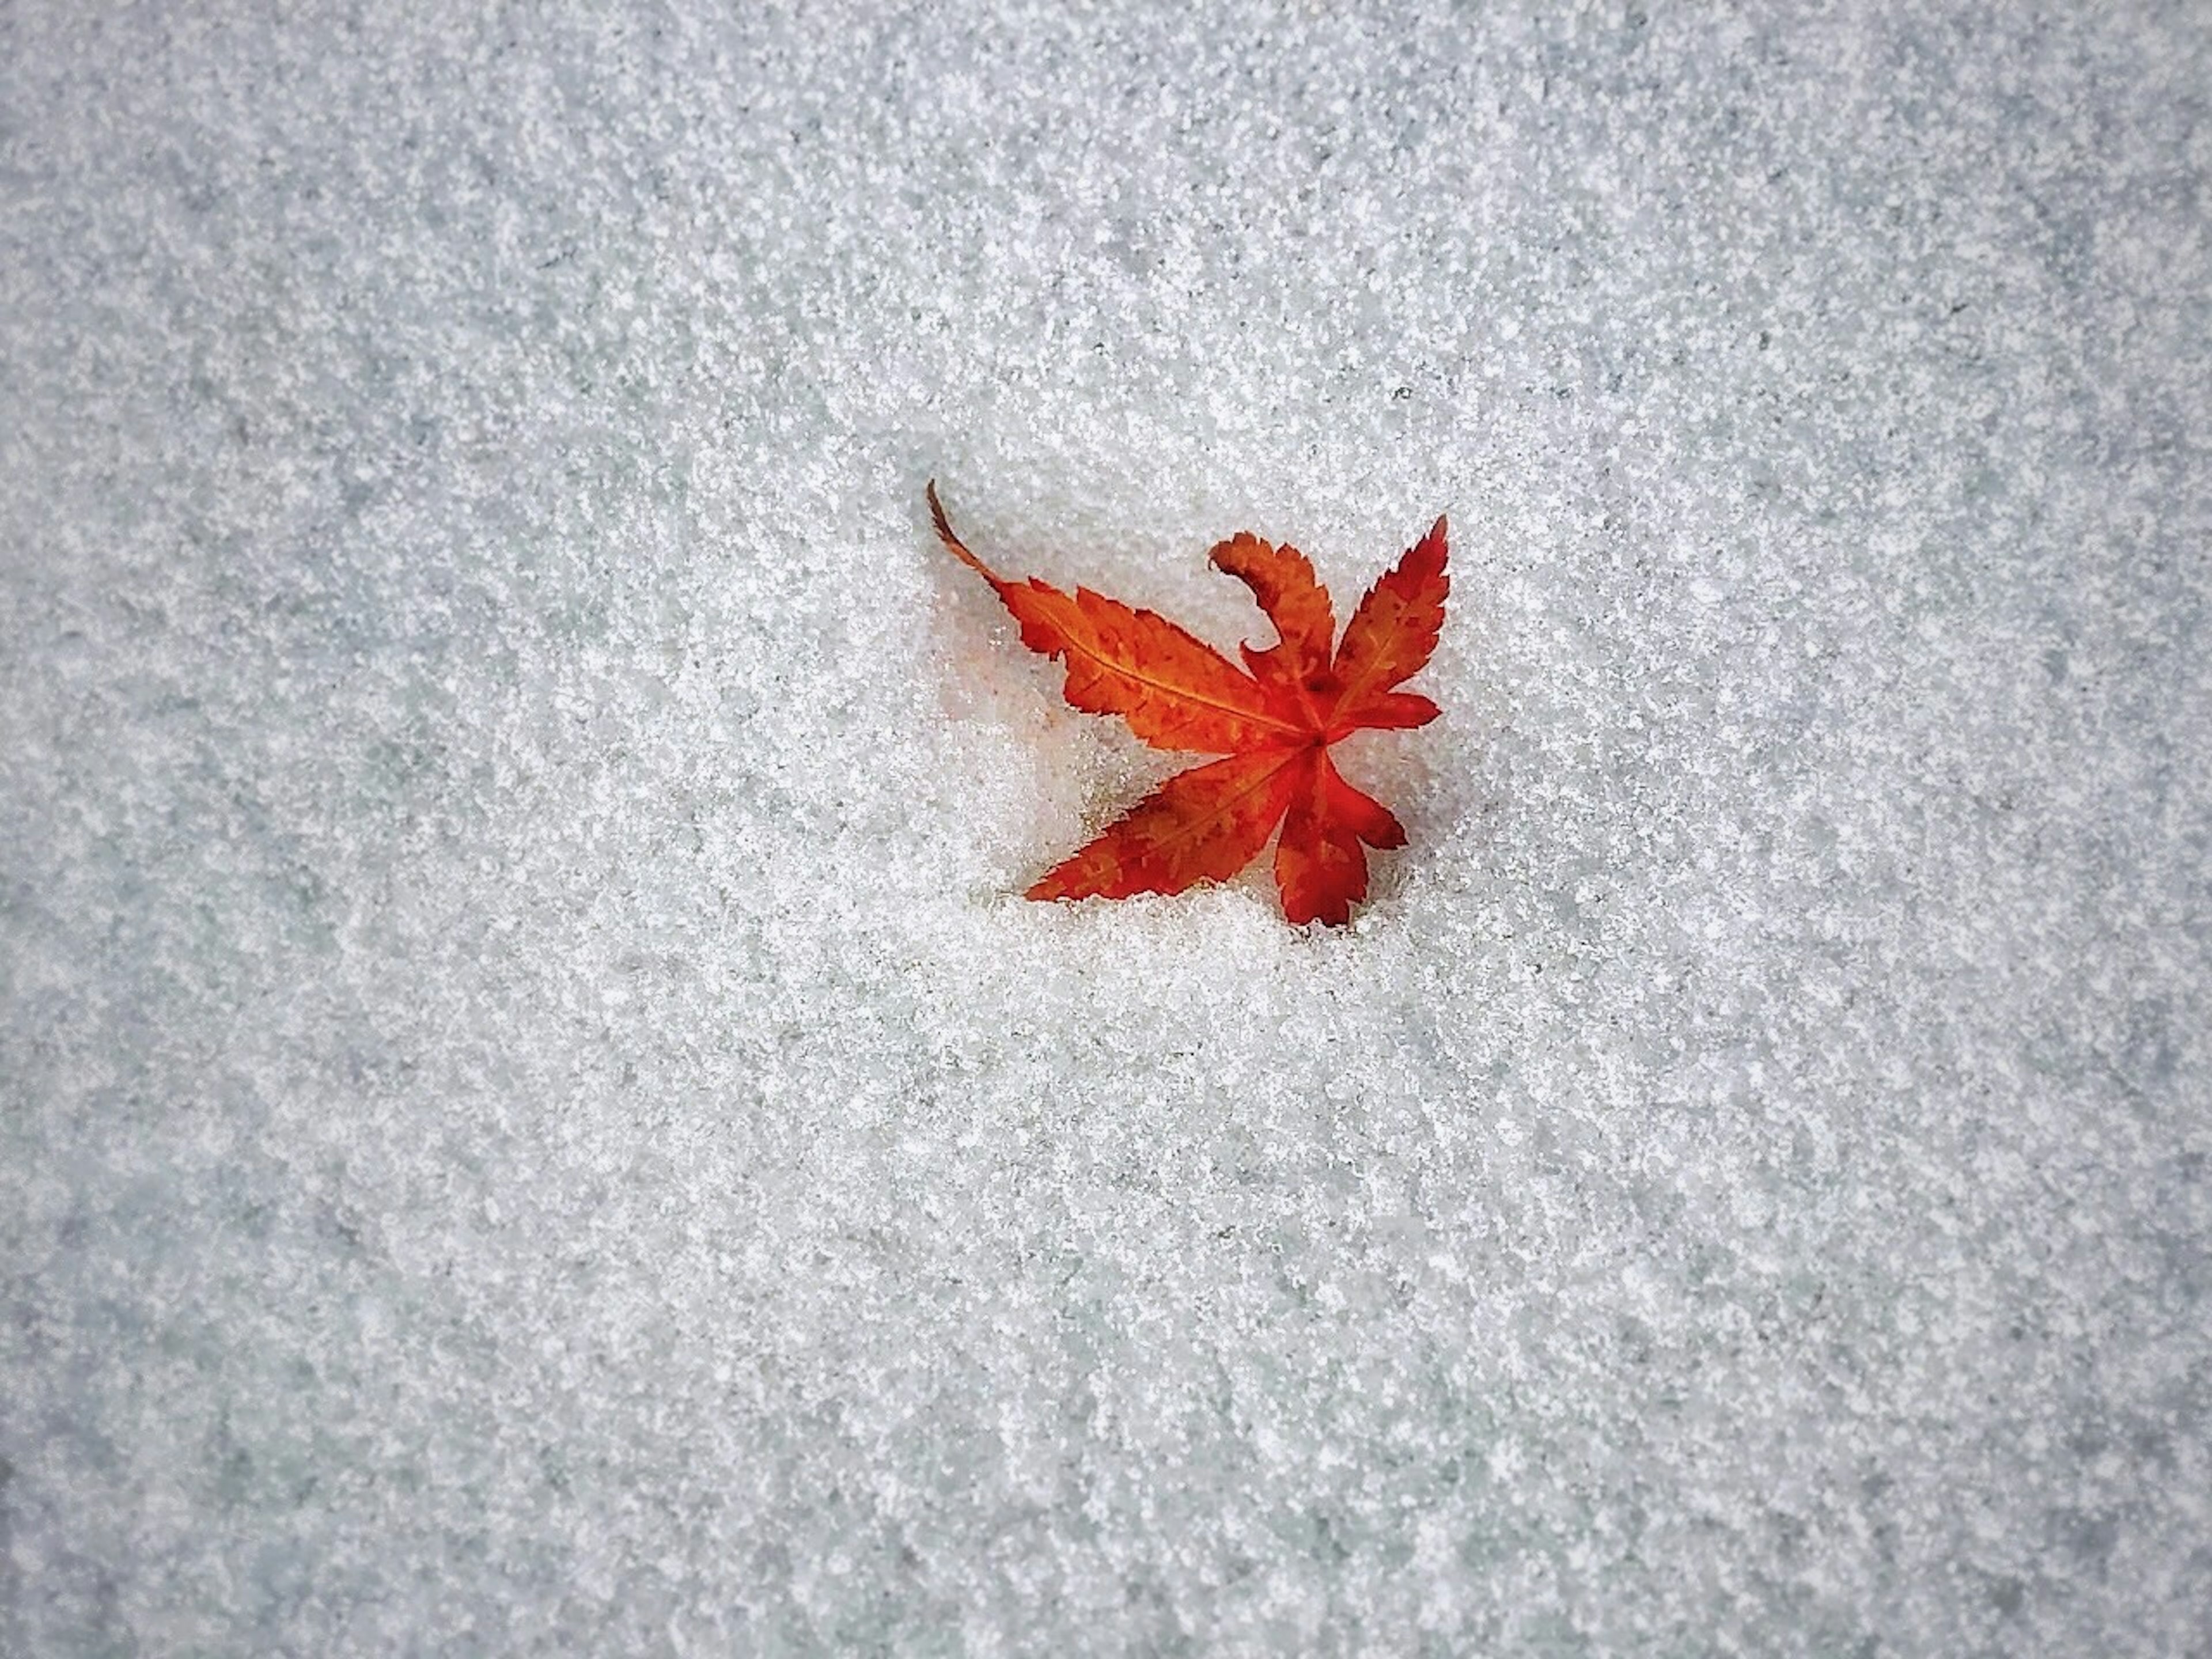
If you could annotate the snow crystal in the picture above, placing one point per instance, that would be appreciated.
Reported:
(533, 1117)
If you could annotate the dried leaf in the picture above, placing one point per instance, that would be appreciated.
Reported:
(1274, 719)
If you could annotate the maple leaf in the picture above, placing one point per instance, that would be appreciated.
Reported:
(1275, 720)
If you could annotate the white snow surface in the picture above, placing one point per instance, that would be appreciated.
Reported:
(533, 1118)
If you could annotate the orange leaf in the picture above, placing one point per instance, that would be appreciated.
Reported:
(1318, 864)
(1175, 690)
(1275, 719)
(1390, 636)
(1204, 824)
(1283, 582)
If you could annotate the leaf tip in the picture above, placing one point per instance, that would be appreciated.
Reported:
(953, 544)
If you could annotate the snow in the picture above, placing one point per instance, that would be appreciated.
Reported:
(533, 1117)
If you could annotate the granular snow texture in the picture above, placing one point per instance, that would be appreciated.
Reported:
(533, 1118)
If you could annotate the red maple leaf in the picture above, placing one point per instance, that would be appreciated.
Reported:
(1274, 720)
